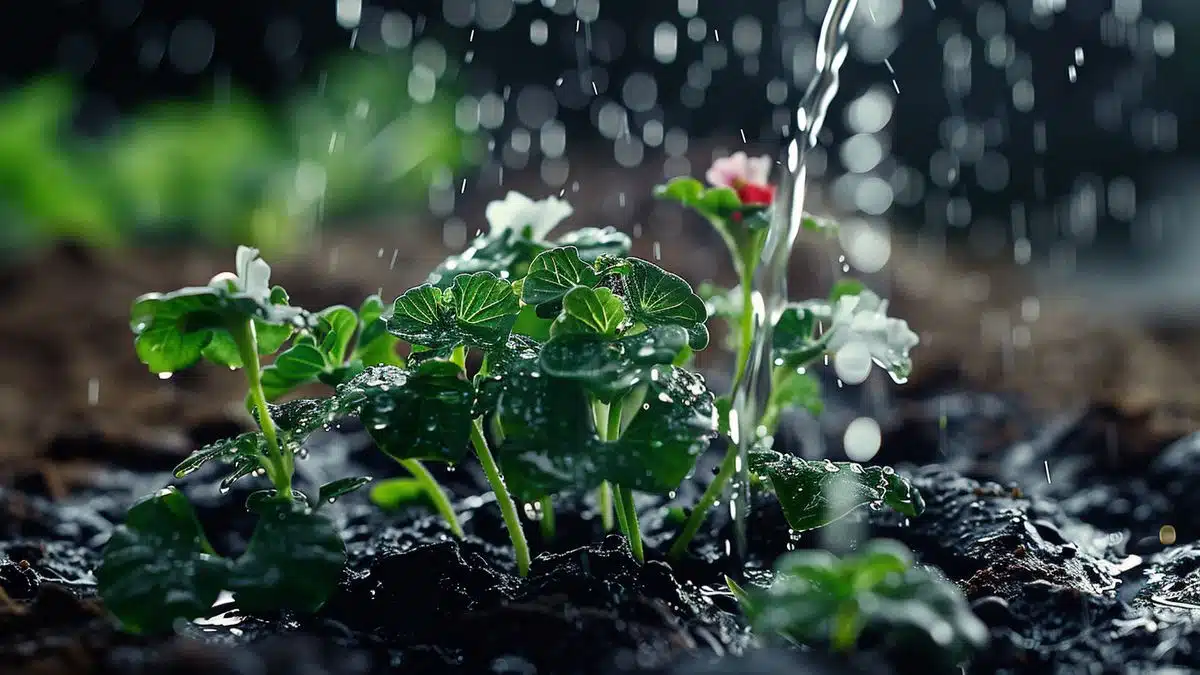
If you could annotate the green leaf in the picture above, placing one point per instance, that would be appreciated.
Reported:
(814, 494)
(719, 203)
(529, 324)
(479, 309)
(609, 367)
(587, 310)
(158, 567)
(294, 560)
(338, 324)
(794, 389)
(593, 243)
(500, 366)
(330, 492)
(550, 441)
(299, 365)
(818, 598)
(794, 341)
(658, 298)
(247, 446)
(555, 272)
(395, 493)
(424, 413)
(371, 309)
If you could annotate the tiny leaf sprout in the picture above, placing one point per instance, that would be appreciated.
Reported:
(877, 597)
(851, 325)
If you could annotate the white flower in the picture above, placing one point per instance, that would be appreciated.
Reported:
(739, 169)
(253, 276)
(862, 320)
(517, 211)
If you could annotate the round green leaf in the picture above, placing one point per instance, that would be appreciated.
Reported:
(658, 298)
(424, 413)
(299, 365)
(479, 309)
(555, 272)
(609, 367)
(587, 310)
(158, 567)
(294, 559)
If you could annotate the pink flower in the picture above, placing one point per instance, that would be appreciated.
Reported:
(749, 176)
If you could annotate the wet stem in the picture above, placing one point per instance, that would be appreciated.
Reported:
(277, 463)
(547, 521)
(626, 512)
(440, 501)
(746, 262)
(508, 509)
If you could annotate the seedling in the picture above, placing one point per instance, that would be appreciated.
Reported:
(876, 596)
(159, 567)
(737, 206)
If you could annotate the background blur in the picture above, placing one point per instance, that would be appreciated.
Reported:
(1047, 138)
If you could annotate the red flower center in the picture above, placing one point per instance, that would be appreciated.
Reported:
(752, 194)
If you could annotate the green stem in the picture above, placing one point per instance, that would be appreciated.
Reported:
(619, 507)
(745, 330)
(279, 464)
(770, 417)
(605, 500)
(632, 531)
(508, 509)
(547, 522)
(459, 356)
(613, 431)
(440, 501)
(710, 497)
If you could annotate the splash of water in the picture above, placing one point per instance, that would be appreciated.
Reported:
(770, 280)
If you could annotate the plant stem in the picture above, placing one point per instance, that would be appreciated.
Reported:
(614, 420)
(508, 509)
(632, 531)
(745, 330)
(604, 497)
(547, 522)
(619, 507)
(710, 497)
(459, 356)
(440, 501)
(279, 463)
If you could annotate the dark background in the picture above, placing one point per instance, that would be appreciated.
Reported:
(125, 53)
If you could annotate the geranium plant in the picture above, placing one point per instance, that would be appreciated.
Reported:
(737, 203)
(581, 388)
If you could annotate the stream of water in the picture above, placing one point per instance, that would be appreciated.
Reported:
(770, 280)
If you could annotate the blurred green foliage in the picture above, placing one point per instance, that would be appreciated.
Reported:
(224, 171)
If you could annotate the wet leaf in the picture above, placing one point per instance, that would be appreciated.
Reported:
(338, 324)
(877, 592)
(593, 243)
(479, 310)
(395, 493)
(294, 560)
(519, 353)
(555, 272)
(422, 413)
(814, 494)
(587, 310)
(331, 491)
(608, 367)
(174, 330)
(550, 441)
(795, 343)
(299, 365)
(244, 447)
(158, 567)
(658, 298)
